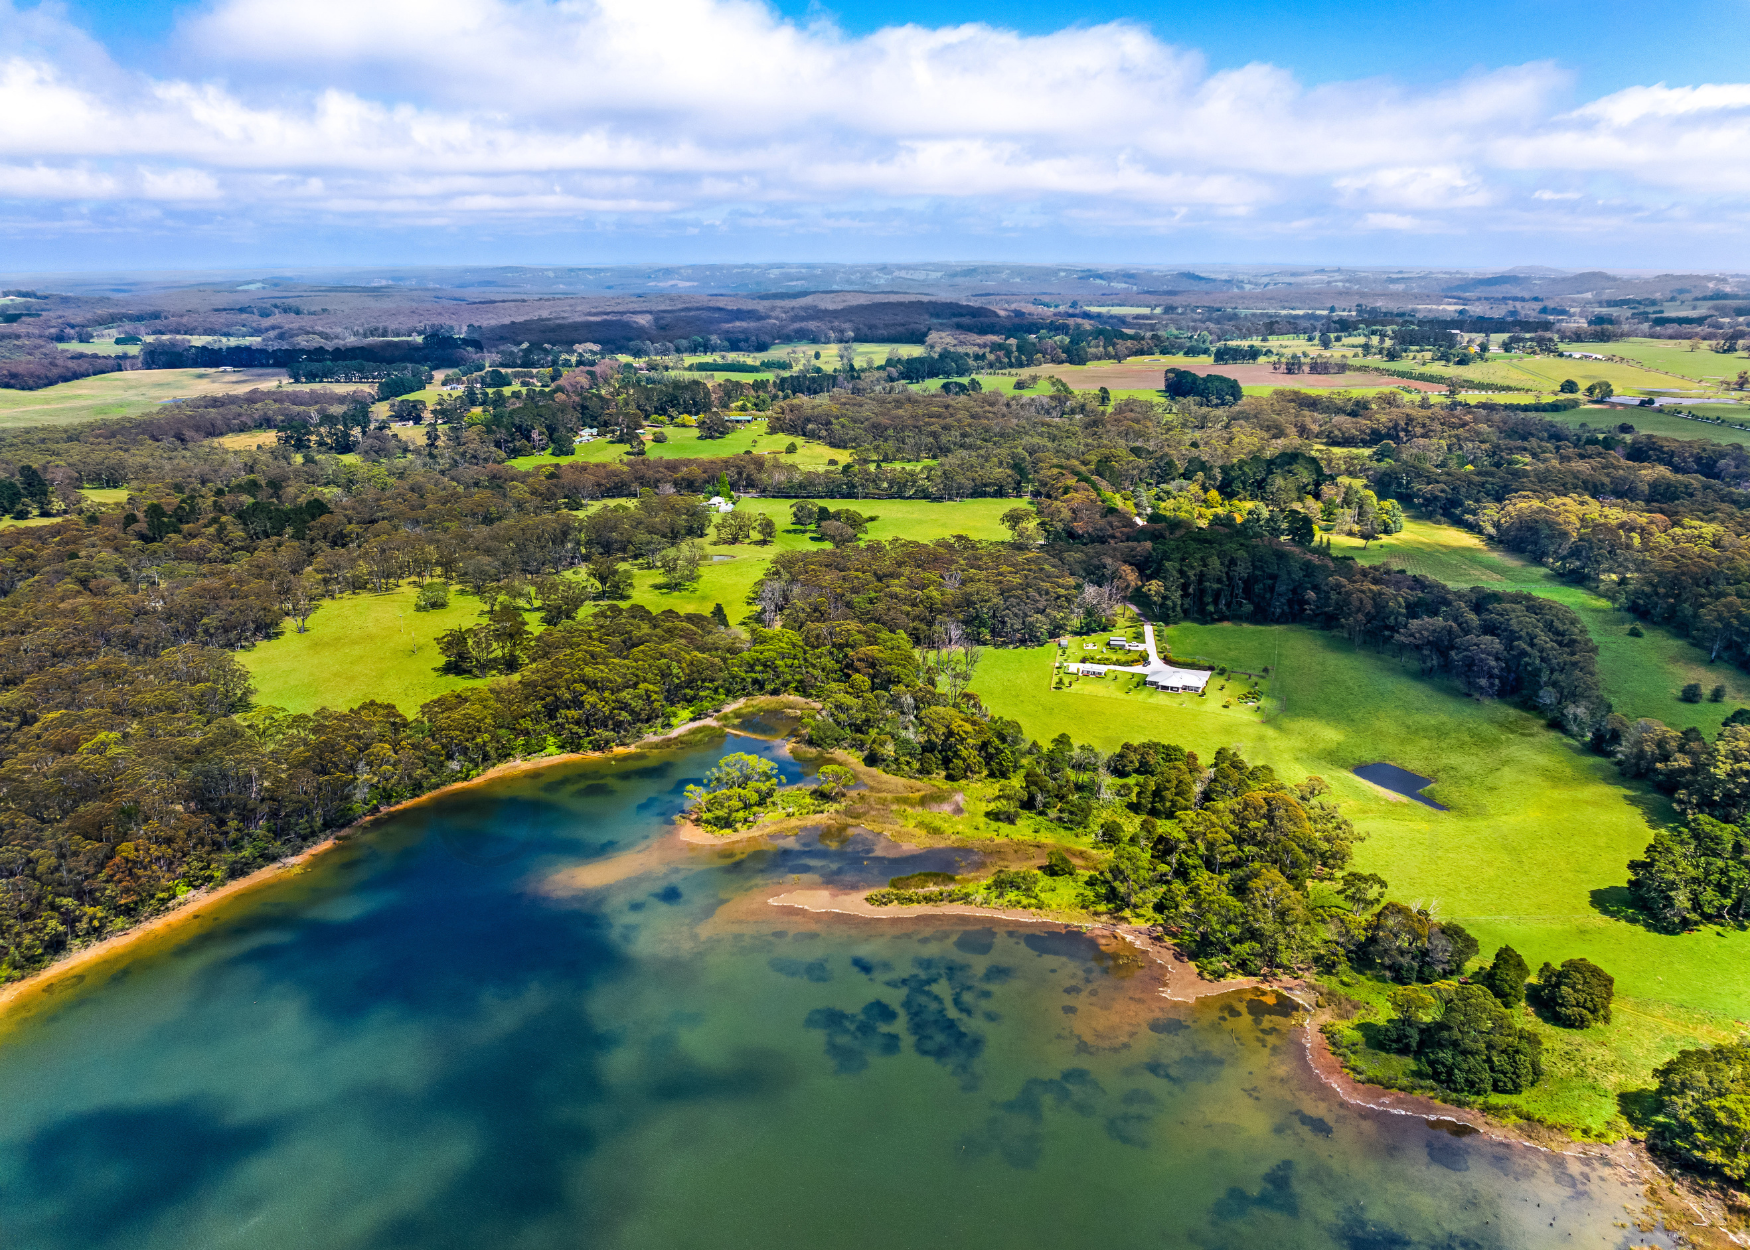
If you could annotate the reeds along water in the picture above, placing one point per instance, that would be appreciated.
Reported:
(414, 1043)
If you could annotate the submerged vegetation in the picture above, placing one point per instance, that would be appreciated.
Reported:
(139, 762)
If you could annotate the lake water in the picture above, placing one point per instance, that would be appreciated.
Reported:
(526, 1017)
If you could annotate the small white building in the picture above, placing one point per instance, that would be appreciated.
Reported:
(717, 503)
(1179, 680)
(1156, 676)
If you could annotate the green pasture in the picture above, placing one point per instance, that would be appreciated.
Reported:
(104, 347)
(1640, 676)
(126, 394)
(685, 443)
(1673, 356)
(375, 646)
(730, 581)
(829, 352)
(1545, 374)
(1533, 850)
(359, 647)
(1662, 421)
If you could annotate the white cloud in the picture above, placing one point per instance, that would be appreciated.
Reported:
(677, 114)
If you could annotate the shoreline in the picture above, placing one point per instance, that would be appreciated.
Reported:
(184, 911)
(1685, 1204)
(1184, 984)
(1701, 1208)
(188, 908)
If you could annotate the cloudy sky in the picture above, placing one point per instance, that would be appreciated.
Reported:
(255, 132)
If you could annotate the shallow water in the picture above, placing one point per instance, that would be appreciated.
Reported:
(421, 1042)
(1399, 781)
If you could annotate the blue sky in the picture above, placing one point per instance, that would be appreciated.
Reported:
(250, 132)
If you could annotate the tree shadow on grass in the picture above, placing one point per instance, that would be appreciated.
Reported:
(1639, 1107)
(1616, 902)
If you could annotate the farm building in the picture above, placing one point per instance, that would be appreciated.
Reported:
(1155, 676)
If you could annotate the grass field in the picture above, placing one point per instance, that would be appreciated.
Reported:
(375, 646)
(356, 648)
(125, 394)
(1673, 356)
(106, 347)
(1533, 851)
(1663, 421)
(1545, 374)
(1641, 676)
(685, 443)
(248, 440)
(729, 581)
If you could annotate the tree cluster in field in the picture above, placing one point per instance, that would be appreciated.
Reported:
(996, 593)
(1697, 872)
(1468, 1037)
(1497, 644)
(48, 365)
(1701, 1110)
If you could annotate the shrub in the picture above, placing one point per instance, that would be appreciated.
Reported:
(1635, 631)
(1691, 693)
(1058, 864)
(922, 881)
(432, 596)
(1014, 887)
(1577, 994)
(1717, 694)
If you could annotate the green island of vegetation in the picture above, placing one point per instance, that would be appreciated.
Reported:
(241, 622)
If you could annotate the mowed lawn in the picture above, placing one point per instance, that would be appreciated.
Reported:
(1535, 846)
(1640, 676)
(126, 394)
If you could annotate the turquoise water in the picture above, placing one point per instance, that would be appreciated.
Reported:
(439, 1036)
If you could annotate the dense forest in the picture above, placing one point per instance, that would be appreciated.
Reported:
(128, 725)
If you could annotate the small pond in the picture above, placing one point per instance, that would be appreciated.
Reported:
(1399, 781)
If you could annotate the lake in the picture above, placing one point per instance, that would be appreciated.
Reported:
(526, 1016)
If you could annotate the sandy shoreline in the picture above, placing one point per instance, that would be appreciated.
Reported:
(191, 905)
(1686, 1206)
(1181, 980)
